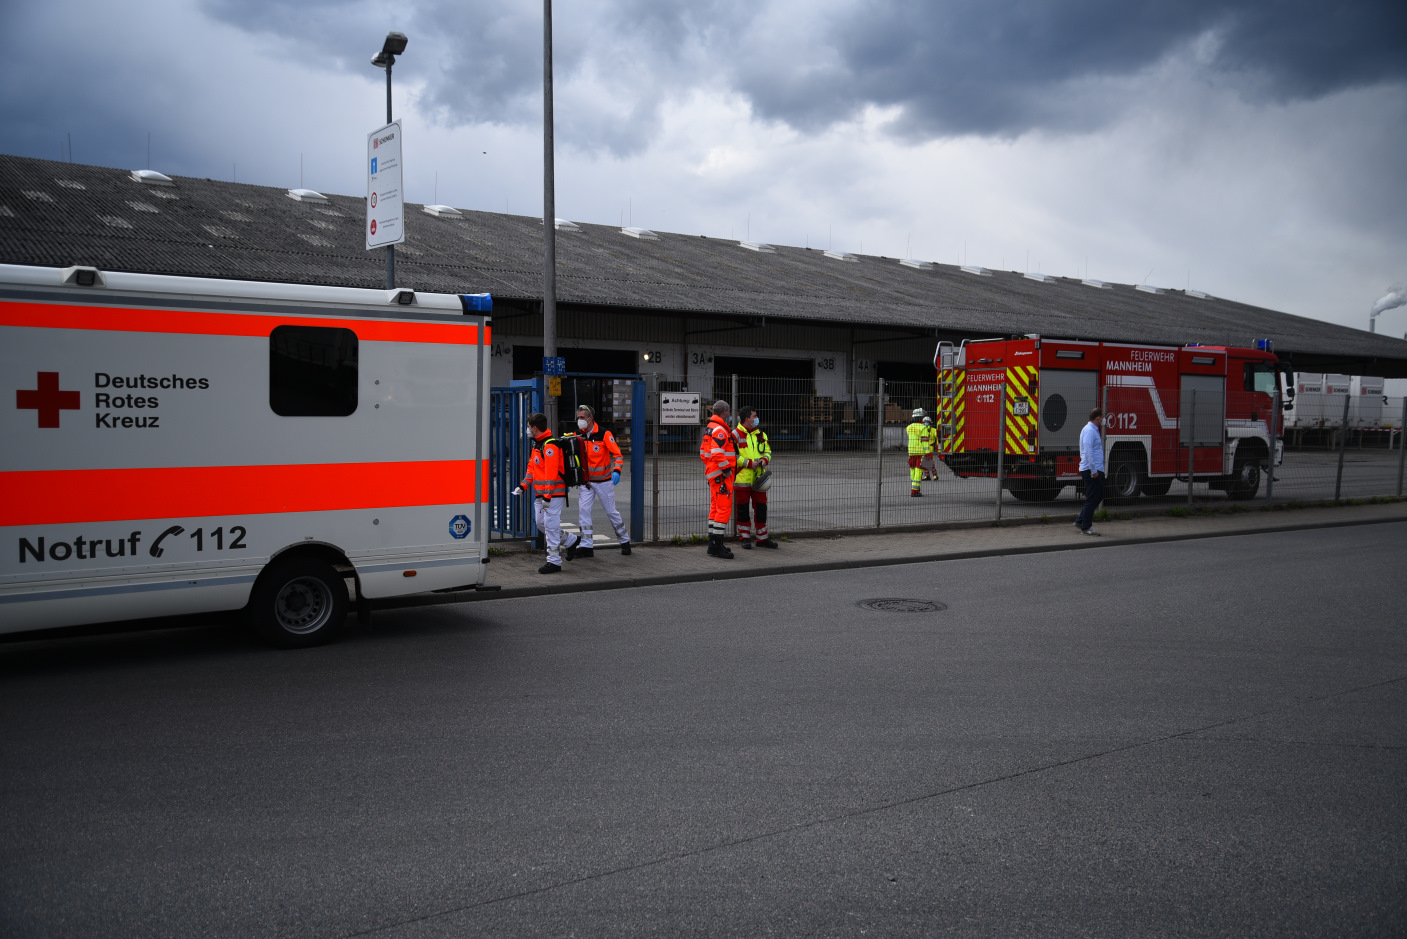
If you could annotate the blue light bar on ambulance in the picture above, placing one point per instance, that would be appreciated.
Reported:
(1264, 345)
(477, 302)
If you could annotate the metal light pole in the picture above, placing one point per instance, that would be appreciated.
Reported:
(549, 213)
(393, 46)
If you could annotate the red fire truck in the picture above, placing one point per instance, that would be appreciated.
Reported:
(1207, 412)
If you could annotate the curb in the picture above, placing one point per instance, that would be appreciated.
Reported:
(663, 580)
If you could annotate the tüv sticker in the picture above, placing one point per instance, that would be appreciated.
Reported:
(459, 526)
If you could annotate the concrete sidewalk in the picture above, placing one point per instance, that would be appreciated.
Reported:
(515, 572)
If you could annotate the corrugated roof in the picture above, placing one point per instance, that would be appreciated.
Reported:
(200, 227)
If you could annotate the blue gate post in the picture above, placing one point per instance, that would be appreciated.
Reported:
(510, 516)
(637, 461)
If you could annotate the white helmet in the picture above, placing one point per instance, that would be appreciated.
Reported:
(918, 414)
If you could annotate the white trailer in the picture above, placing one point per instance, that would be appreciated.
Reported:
(181, 445)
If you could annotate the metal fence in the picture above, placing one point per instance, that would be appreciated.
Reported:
(840, 461)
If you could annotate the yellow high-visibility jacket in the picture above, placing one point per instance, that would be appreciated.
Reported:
(753, 446)
(918, 438)
(931, 437)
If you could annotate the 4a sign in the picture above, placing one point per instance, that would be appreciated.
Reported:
(47, 400)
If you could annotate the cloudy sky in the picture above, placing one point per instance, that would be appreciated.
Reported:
(1256, 151)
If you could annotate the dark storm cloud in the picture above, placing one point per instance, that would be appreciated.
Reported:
(969, 66)
(482, 62)
(954, 67)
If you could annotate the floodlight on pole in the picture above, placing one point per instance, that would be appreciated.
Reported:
(393, 46)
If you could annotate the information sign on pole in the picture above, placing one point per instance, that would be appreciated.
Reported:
(554, 365)
(679, 407)
(385, 209)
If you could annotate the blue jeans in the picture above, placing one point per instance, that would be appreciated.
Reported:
(1094, 494)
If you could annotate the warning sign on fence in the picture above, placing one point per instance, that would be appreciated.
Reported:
(679, 407)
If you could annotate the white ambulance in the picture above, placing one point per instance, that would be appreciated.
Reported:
(177, 445)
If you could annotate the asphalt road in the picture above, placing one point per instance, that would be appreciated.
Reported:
(1196, 738)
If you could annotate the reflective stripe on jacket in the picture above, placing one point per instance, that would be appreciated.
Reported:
(544, 475)
(918, 438)
(603, 455)
(753, 447)
(718, 449)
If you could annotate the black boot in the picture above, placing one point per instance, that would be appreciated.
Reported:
(625, 548)
(746, 543)
(717, 548)
(767, 543)
(550, 569)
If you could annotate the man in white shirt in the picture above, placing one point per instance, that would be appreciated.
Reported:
(1091, 470)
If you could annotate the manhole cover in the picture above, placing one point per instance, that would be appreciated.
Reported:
(902, 606)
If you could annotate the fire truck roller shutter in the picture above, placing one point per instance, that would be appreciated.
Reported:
(1210, 419)
(1067, 396)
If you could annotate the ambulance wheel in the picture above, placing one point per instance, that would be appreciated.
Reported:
(1125, 478)
(1245, 480)
(298, 602)
(1157, 487)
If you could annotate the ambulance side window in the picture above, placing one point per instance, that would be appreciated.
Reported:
(312, 371)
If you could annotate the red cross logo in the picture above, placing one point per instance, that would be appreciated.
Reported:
(48, 400)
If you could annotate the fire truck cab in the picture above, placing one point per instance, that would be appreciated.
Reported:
(1204, 412)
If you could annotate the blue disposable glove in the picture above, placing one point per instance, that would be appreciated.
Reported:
(615, 477)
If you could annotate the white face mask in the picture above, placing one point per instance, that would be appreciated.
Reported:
(583, 423)
(755, 422)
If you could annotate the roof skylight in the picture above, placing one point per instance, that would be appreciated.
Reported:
(152, 178)
(442, 211)
(306, 195)
(757, 246)
(1148, 288)
(916, 263)
(977, 269)
(565, 224)
(644, 234)
(840, 255)
(70, 184)
(1043, 278)
(1199, 295)
(1098, 284)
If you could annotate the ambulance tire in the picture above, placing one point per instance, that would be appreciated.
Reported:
(1126, 477)
(298, 602)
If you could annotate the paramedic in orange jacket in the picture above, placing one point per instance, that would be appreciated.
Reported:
(719, 452)
(544, 479)
(602, 466)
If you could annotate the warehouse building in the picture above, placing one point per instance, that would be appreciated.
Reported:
(686, 307)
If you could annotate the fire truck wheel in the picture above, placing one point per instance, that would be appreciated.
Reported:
(1035, 490)
(1125, 478)
(298, 602)
(1245, 479)
(1157, 487)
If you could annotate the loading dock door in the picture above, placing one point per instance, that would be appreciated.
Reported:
(1067, 397)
